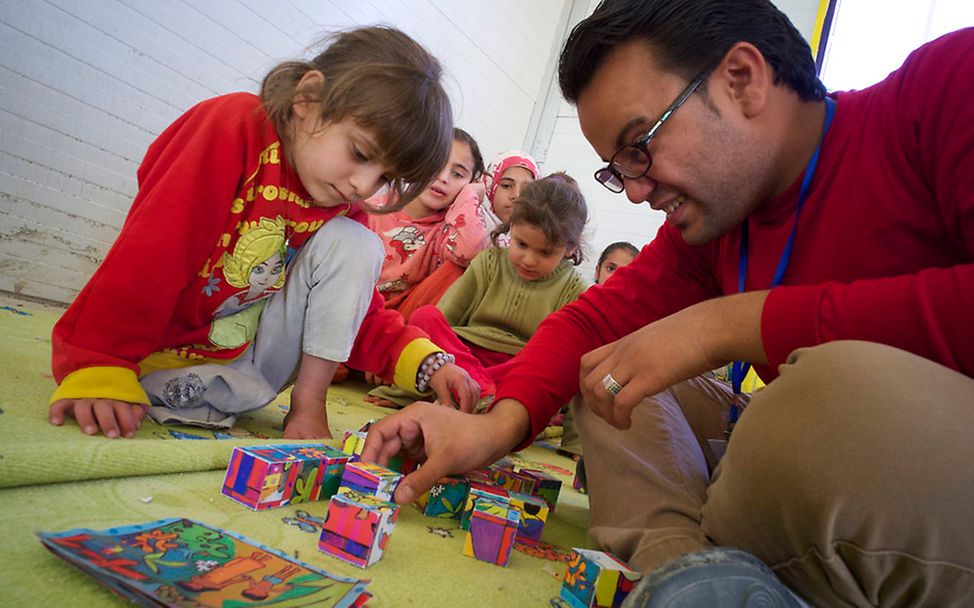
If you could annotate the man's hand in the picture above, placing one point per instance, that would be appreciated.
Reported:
(113, 418)
(683, 345)
(452, 380)
(445, 440)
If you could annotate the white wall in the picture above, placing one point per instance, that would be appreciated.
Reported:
(614, 218)
(85, 86)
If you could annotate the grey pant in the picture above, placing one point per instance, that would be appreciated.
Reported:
(329, 287)
(850, 475)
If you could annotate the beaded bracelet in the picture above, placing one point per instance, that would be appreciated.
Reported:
(430, 366)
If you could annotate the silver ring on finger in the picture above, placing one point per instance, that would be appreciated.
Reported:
(611, 385)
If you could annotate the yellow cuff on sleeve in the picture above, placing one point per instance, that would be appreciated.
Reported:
(109, 382)
(410, 359)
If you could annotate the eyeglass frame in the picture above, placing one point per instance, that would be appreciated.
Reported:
(641, 143)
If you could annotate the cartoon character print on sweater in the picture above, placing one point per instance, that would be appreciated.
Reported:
(256, 266)
(406, 240)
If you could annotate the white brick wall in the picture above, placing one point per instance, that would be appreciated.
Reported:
(85, 86)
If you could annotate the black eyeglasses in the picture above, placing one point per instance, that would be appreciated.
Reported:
(633, 161)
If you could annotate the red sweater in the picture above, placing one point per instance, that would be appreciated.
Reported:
(212, 176)
(884, 250)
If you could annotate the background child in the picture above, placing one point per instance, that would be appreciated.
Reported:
(614, 257)
(190, 311)
(503, 181)
(486, 317)
(439, 229)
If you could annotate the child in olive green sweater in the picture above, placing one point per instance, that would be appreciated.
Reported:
(492, 310)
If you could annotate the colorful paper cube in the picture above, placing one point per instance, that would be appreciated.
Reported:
(369, 478)
(513, 481)
(579, 483)
(493, 528)
(477, 491)
(445, 499)
(357, 527)
(533, 513)
(264, 477)
(596, 579)
(354, 442)
(545, 486)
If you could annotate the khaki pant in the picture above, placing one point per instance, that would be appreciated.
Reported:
(851, 475)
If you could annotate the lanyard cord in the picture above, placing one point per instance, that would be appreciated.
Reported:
(739, 369)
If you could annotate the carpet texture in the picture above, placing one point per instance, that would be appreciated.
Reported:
(55, 479)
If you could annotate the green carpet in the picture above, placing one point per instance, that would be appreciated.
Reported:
(55, 479)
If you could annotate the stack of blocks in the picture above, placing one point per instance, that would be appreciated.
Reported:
(596, 579)
(361, 516)
(269, 476)
(497, 505)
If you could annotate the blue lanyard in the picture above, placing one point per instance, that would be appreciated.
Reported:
(739, 369)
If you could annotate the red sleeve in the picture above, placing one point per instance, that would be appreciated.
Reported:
(666, 276)
(927, 313)
(187, 183)
(381, 340)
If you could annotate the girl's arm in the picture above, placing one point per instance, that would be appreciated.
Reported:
(386, 346)
(187, 183)
(464, 233)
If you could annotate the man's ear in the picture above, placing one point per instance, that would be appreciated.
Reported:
(306, 90)
(747, 77)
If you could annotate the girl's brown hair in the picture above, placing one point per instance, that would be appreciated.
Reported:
(556, 206)
(388, 84)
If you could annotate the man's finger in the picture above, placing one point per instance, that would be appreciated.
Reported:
(383, 437)
(420, 481)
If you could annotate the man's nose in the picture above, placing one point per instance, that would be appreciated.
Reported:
(640, 189)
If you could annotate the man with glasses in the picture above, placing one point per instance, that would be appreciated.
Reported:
(826, 239)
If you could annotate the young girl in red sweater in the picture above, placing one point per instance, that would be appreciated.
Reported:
(190, 310)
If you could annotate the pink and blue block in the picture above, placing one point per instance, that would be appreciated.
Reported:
(269, 476)
(493, 529)
(595, 579)
(369, 478)
(357, 528)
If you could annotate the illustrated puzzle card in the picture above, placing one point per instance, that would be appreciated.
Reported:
(181, 562)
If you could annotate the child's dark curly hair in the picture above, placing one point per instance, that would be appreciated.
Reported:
(556, 206)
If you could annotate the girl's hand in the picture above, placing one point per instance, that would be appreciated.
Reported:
(452, 380)
(113, 418)
(444, 440)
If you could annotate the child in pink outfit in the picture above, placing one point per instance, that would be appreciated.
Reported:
(439, 228)
(503, 181)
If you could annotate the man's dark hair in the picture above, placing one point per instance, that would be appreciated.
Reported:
(688, 37)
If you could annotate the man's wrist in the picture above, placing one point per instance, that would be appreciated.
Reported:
(510, 423)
